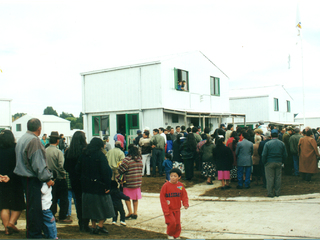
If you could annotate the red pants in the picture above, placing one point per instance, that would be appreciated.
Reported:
(173, 223)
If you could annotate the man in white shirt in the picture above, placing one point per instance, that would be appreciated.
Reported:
(161, 132)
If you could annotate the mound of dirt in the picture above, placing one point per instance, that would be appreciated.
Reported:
(154, 184)
(290, 185)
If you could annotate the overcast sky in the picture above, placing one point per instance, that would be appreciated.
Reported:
(45, 45)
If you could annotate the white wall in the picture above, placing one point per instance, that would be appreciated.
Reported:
(62, 128)
(255, 108)
(310, 122)
(47, 127)
(5, 116)
(153, 118)
(282, 115)
(124, 89)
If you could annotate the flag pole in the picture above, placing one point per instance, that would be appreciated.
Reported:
(303, 87)
(298, 26)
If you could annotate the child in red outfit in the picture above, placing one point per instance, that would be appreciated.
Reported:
(171, 195)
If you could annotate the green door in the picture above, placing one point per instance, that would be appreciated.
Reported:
(132, 125)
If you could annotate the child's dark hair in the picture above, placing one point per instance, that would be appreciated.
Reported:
(176, 170)
(168, 156)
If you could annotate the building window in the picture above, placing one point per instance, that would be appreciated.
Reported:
(288, 106)
(215, 86)
(175, 118)
(18, 127)
(181, 79)
(100, 123)
(276, 104)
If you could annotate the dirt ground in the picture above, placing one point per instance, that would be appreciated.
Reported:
(154, 184)
(115, 232)
(290, 185)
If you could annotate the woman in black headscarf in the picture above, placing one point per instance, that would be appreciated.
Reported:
(95, 183)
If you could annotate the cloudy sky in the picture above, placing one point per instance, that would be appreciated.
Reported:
(45, 45)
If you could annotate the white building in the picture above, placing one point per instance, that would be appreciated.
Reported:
(49, 123)
(312, 119)
(5, 116)
(143, 95)
(273, 104)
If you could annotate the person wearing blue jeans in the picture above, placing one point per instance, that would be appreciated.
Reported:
(70, 196)
(49, 222)
(247, 171)
(157, 160)
(244, 153)
(296, 164)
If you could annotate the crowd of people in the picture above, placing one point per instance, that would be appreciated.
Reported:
(37, 175)
(239, 155)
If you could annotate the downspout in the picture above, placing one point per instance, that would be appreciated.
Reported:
(141, 119)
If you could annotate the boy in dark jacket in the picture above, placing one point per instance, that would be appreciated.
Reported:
(116, 196)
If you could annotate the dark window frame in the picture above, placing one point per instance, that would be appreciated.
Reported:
(276, 104)
(288, 106)
(175, 118)
(100, 119)
(215, 86)
(178, 77)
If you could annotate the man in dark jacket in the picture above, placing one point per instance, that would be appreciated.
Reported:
(260, 150)
(293, 141)
(273, 155)
(244, 153)
(288, 163)
(137, 139)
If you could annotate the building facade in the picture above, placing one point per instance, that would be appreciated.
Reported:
(272, 104)
(182, 89)
(5, 116)
(49, 123)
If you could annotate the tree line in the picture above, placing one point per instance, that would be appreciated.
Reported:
(75, 122)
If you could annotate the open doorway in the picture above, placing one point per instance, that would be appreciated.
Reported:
(121, 124)
(128, 124)
(195, 122)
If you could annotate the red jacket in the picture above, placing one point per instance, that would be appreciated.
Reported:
(171, 196)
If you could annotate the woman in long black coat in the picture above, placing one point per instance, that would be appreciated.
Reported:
(188, 154)
(96, 184)
(11, 190)
(176, 149)
(224, 159)
(72, 154)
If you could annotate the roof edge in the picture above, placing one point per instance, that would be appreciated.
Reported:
(214, 64)
(120, 68)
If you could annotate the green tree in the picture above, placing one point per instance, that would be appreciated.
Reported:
(17, 116)
(78, 126)
(66, 115)
(73, 121)
(50, 111)
(80, 118)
